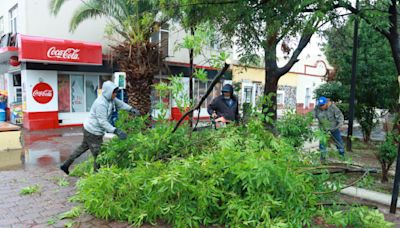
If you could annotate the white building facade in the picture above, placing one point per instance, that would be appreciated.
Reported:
(52, 76)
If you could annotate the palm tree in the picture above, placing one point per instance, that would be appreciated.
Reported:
(134, 21)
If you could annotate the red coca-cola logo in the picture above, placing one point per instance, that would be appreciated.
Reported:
(42, 93)
(69, 53)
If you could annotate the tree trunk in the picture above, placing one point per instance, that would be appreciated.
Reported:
(393, 35)
(270, 90)
(140, 61)
(273, 72)
(191, 67)
(385, 172)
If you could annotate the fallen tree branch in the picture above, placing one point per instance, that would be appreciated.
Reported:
(346, 186)
(203, 98)
(346, 204)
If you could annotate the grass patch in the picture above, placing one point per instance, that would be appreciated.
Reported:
(62, 182)
(30, 190)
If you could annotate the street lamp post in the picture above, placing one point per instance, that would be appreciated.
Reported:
(395, 191)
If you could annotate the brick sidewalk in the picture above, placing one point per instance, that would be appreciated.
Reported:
(37, 209)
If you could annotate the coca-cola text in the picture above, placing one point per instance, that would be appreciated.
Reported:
(69, 53)
(45, 93)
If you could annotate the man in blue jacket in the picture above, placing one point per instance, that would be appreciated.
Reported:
(98, 124)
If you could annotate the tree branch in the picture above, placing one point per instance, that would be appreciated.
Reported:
(204, 97)
(304, 40)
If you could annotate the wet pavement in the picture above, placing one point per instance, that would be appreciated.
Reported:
(37, 165)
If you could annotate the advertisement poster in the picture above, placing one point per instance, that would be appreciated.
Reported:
(77, 93)
(64, 96)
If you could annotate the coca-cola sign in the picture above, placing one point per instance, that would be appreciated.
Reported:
(50, 50)
(42, 93)
(68, 53)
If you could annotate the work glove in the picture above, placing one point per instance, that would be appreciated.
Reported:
(121, 135)
(134, 111)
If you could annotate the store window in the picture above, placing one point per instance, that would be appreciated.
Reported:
(77, 93)
(64, 95)
(200, 89)
(104, 78)
(17, 88)
(91, 87)
(13, 19)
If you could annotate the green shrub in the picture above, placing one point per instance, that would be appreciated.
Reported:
(236, 177)
(386, 155)
(358, 217)
(295, 128)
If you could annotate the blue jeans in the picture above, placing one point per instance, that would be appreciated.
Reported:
(337, 139)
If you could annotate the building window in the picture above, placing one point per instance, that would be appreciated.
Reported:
(307, 98)
(215, 42)
(91, 87)
(161, 36)
(16, 80)
(64, 94)
(248, 94)
(104, 78)
(77, 93)
(200, 89)
(13, 19)
(1, 26)
(280, 98)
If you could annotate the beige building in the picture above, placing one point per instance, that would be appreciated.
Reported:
(295, 89)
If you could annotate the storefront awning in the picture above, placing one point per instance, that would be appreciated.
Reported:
(49, 50)
(7, 52)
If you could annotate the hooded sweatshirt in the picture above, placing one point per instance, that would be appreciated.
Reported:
(98, 122)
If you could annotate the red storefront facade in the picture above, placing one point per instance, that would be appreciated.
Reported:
(54, 81)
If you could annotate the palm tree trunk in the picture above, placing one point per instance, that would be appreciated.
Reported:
(141, 62)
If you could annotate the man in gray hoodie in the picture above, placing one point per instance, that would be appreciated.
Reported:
(330, 119)
(98, 124)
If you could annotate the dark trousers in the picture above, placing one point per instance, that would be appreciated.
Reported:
(90, 141)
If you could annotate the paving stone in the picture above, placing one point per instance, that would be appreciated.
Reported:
(9, 221)
(85, 218)
(30, 216)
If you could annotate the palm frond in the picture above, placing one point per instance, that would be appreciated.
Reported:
(86, 11)
(55, 6)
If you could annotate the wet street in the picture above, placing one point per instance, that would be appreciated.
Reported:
(37, 165)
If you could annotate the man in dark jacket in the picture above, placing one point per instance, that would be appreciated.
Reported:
(98, 124)
(226, 105)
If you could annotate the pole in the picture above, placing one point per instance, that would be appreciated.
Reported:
(353, 82)
(395, 192)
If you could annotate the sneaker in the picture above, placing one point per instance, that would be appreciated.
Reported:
(64, 169)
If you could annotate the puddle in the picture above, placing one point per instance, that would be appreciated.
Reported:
(42, 149)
